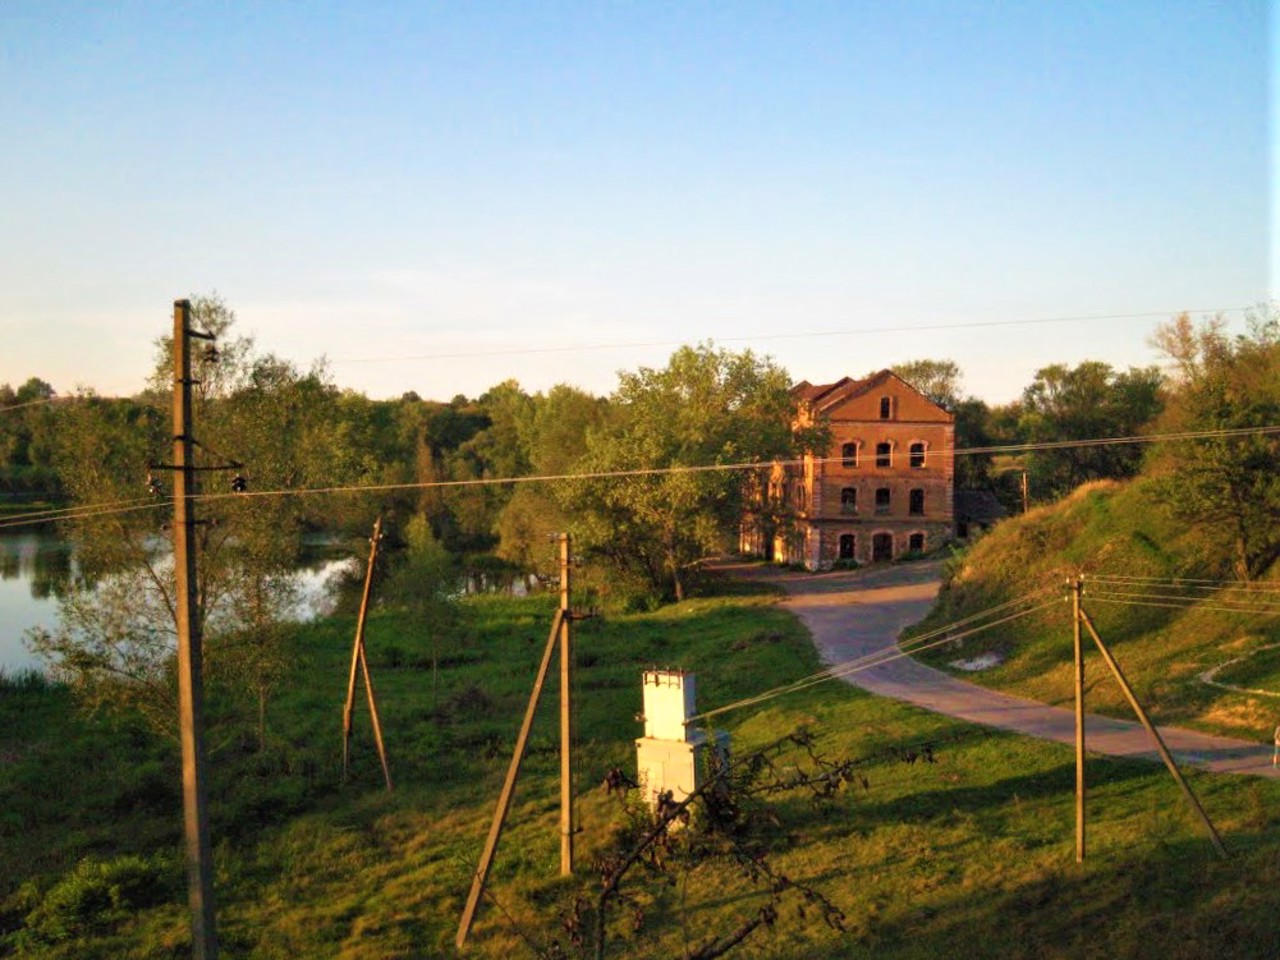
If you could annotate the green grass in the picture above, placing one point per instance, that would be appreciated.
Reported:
(1117, 529)
(971, 855)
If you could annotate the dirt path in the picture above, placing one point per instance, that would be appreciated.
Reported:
(851, 614)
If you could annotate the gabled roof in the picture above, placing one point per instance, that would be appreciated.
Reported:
(813, 392)
(822, 397)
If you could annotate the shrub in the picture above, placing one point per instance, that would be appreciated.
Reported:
(95, 895)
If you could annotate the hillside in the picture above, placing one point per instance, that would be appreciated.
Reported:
(1148, 589)
(969, 854)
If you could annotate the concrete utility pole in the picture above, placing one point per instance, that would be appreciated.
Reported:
(204, 940)
(1077, 588)
(1026, 500)
(567, 825)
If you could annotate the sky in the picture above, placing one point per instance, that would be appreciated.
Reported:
(440, 196)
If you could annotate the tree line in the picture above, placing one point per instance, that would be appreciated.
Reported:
(708, 406)
(643, 535)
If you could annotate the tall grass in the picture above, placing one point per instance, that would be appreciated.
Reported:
(968, 855)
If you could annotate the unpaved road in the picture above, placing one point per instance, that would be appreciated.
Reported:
(851, 614)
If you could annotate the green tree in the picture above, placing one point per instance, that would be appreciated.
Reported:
(1086, 402)
(1228, 488)
(939, 380)
(425, 582)
(706, 407)
(942, 382)
(553, 437)
(116, 637)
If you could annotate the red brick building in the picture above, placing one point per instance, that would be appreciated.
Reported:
(884, 488)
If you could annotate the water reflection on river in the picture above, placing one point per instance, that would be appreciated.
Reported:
(36, 568)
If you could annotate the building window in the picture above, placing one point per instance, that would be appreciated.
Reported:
(917, 455)
(916, 543)
(886, 408)
(915, 503)
(882, 548)
(884, 454)
(847, 545)
(883, 500)
(849, 455)
(849, 500)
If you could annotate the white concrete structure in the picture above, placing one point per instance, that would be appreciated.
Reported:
(670, 755)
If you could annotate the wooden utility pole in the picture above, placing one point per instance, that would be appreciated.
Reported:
(481, 875)
(1077, 587)
(560, 637)
(204, 940)
(360, 661)
(1026, 500)
(567, 825)
(1155, 735)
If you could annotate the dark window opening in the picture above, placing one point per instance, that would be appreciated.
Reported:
(849, 455)
(849, 500)
(883, 500)
(882, 548)
(915, 505)
(886, 408)
(847, 544)
(917, 455)
(884, 454)
(916, 543)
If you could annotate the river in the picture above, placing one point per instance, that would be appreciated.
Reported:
(35, 567)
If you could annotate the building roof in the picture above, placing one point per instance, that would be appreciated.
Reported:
(823, 396)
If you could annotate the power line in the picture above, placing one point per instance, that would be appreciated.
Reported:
(811, 334)
(724, 467)
(44, 401)
(881, 657)
(690, 468)
(85, 512)
(1196, 605)
(1187, 583)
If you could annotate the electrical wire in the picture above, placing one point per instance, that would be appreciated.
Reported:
(84, 511)
(1192, 602)
(692, 468)
(707, 468)
(10, 408)
(1187, 583)
(886, 655)
(802, 335)
(1202, 605)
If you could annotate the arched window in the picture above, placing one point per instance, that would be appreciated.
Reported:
(884, 454)
(915, 503)
(886, 408)
(884, 501)
(917, 454)
(848, 543)
(849, 455)
(916, 543)
(849, 500)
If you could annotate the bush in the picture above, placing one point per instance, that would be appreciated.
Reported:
(95, 895)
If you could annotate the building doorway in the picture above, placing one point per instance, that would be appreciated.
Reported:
(882, 548)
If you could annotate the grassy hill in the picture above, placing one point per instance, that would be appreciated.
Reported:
(1109, 529)
(968, 855)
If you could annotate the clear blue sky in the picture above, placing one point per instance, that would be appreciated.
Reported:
(372, 180)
